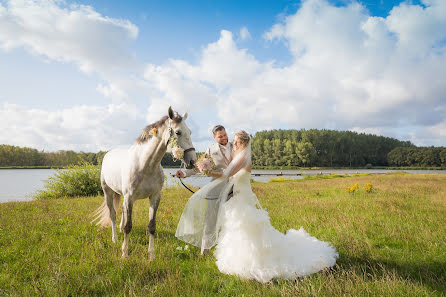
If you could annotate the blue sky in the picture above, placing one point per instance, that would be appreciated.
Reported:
(89, 75)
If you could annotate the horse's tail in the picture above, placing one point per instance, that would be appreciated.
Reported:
(102, 214)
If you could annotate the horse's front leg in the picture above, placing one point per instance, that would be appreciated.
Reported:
(154, 202)
(127, 224)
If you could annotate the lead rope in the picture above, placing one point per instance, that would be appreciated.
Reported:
(181, 180)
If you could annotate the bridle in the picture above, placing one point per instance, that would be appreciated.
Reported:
(184, 152)
(171, 135)
(189, 149)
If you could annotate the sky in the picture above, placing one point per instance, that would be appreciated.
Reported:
(90, 75)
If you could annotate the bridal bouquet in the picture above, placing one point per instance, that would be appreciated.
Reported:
(205, 163)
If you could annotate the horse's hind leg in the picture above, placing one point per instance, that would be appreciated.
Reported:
(113, 210)
(112, 202)
(127, 208)
(154, 202)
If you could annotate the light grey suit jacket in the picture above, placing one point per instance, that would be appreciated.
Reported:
(218, 157)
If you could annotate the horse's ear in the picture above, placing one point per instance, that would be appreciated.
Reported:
(184, 116)
(170, 113)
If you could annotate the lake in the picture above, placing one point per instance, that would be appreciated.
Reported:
(19, 184)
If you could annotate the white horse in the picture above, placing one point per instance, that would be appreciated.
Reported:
(136, 173)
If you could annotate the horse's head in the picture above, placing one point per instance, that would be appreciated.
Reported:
(181, 132)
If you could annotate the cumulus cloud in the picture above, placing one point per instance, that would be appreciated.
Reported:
(244, 34)
(87, 128)
(350, 70)
(76, 33)
(71, 33)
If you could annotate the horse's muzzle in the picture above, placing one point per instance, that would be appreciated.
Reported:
(191, 164)
(190, 157)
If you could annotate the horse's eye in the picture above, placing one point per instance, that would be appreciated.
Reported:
(178, 133)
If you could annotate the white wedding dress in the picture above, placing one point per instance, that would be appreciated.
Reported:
(246, 243)
(248, 246)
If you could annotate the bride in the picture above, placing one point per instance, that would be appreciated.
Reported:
(246, 243)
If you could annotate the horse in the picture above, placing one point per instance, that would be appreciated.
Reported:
(136, 173)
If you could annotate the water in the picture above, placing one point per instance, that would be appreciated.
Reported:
(19, 184)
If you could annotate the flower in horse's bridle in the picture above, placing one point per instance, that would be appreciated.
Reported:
(153, 132)
(177, 151)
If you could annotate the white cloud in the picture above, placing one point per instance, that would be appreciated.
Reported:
(71, 33)
(87, 128)
(112, 91)
(75, 33)
(349, 71)
(244, 34)
(438, 131)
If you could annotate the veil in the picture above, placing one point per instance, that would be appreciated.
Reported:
(241, 161)
(199, 222)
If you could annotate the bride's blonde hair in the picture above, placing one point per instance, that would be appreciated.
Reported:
(244, 137)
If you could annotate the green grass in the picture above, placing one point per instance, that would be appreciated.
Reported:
(391, 242)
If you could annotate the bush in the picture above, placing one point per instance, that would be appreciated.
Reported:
(77, 180)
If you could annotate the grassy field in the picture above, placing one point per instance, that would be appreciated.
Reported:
(392, 242)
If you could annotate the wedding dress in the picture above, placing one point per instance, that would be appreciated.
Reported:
(247, 244)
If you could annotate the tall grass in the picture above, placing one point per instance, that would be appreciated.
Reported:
(75, 181)
(391, 242)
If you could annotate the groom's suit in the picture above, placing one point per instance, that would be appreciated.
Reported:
(221, 156)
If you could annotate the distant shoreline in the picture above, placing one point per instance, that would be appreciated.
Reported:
(264, 168)
(33, 167)
(345, 168)
(53, 167)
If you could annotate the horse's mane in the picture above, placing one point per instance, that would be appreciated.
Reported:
(145, 134)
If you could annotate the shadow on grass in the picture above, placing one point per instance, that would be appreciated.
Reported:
(431, 274)
(141, 234)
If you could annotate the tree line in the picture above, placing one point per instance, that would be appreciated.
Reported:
(275, 148)
(23, 156)
(417, 156)
(322, 148)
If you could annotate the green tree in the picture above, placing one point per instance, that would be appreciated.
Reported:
(305, 151)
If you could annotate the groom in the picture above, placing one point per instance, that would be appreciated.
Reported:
(221, 154)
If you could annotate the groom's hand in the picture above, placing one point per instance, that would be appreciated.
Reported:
(180, 174)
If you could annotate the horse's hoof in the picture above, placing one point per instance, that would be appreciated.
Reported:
(114, 240)
(151, 257)
(125, 252)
